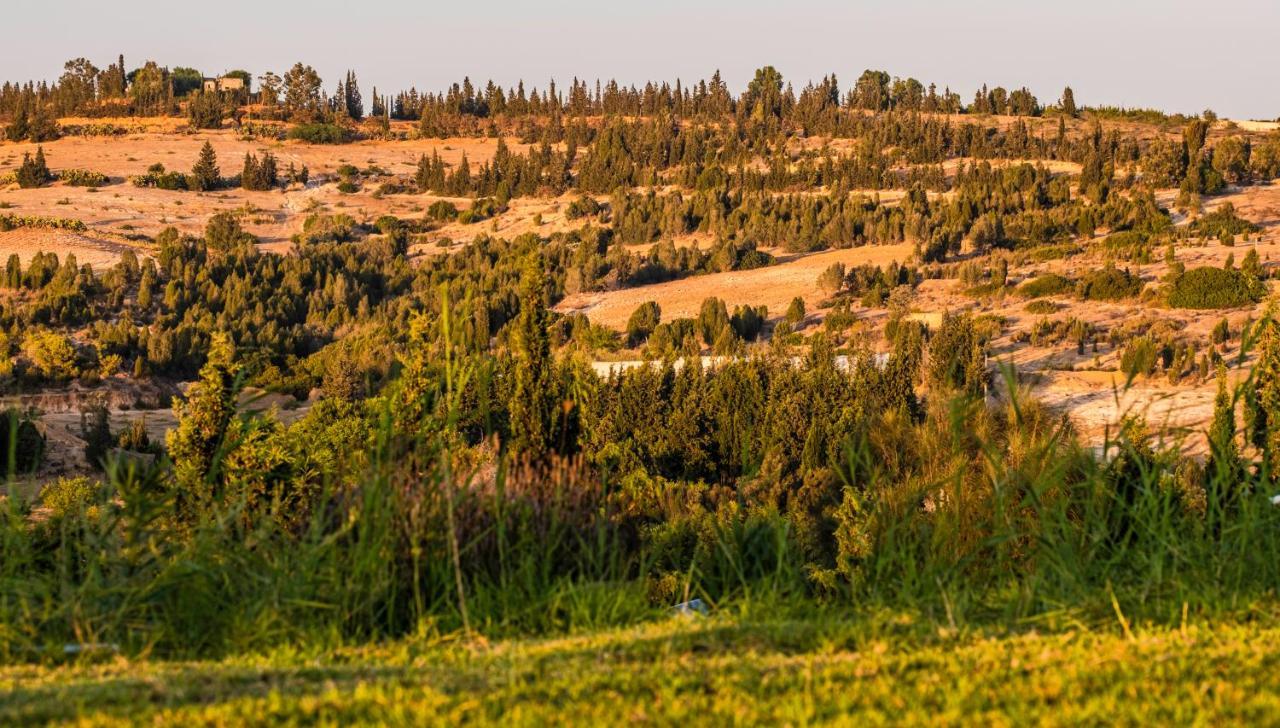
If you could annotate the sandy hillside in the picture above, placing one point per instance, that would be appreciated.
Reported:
(122, 209)
(774, 287)
(99, 251)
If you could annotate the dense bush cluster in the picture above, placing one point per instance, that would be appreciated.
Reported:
(1208, 287)
(33, 172)
(83, 178)
(320, 134)
(259, 174)
(12, 222)
(1108, 284)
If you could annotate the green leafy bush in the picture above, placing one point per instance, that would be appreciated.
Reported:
(1222, 222)
(1049, 284)
(320, 228)
(69, 496)
(320, 134)
(13, 222)
(83, 178)
(21, 444)
(33, 172)
(1210, 287)
(442, 210)
(643, 321)
(157, 177)
(1139, 357)
(258, 174)
(481, 209)
(1129, 245)
(584, 206)
(1108, 284)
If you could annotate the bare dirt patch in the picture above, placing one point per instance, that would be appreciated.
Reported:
(98, 251)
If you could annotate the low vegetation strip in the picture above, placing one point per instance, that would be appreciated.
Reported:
(13, 222)
(718, 670)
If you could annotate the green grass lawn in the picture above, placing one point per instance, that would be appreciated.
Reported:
(694, 671)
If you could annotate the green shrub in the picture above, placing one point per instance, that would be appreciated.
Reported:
(483, 209)
(1108, 284)
(749, 321)
(1129, 245)
(795, 311)
(320, 134)
(1055, 251)
(205, 110)
(1139, 357)
(1041, 307)
(1049, 284)
(983, 290)
(442, 210)
(321, 228)
(831, 280)
(260, 175)
(1222, 222)
(69, 496)
(134, 438)
(83, 178)
(21, 444)
(95, 430)
(584, 206)
(643, 321)
(157, 177)
(13, 222)
(33, 172)
(1210, 287)
(1221, 332)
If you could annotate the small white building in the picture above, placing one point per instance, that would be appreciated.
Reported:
(226, 83)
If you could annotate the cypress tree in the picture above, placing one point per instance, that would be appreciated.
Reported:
(13, 272)
(423, 175)
(1069, 102)
(20, 127)
(351, 97)
(203, 418)
(259, 175)
(1224, 456)
(205, 175)
(33, 172)
(532, 398)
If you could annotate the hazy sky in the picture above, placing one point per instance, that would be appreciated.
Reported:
(1178, 55)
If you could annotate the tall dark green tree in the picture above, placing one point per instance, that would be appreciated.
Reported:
(205, 175)
(1069, 102)
(1224, 454)
(205, 109)
(351, 97)
(20, 126)
(532, 393)
(763, 98)
(44, 125)
(203, 417)
(13, 272)
(33, 172)
(871, 92)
